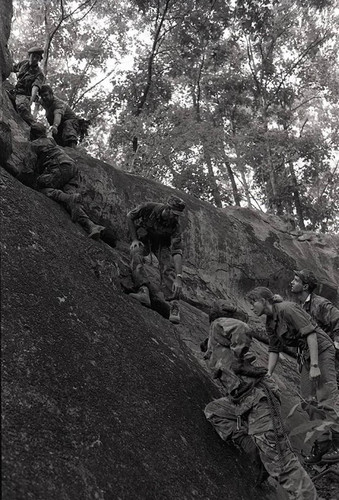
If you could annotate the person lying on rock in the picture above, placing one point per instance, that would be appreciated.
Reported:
(48, 168)
(155, 227)
(65, 125)
(287, 324)
(29, 80)
(250, 413)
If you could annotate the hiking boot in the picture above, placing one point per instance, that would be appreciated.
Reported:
(332, 455)
(174, 312)
(95, 231)
(142, 296)
(317, 452)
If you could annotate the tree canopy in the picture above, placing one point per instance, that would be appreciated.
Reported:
(235, 102)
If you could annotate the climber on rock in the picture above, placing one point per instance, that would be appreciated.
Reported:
(48, 168)
(65, 126)
(155, 227)
(250, 413)
(320, 309)
(29, 80)
(287, 324)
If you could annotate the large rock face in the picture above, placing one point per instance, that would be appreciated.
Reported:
(103, 398)
(6, 10)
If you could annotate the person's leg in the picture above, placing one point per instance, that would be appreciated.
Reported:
(167, 277)
(23, 107)
(230, 426)
(276, 453)
(139, 275)
(326, 446)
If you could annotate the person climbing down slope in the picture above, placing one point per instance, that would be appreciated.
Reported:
(48, 168)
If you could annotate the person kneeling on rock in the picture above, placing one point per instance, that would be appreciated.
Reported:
(48, 168)
(250, 413)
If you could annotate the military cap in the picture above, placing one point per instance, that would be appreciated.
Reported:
(177, 205)
(36, 50)
(307, 277)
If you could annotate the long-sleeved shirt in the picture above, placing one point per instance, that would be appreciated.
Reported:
(27, 77)
(324, 313)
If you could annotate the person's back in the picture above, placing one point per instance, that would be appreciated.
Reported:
(48, 152)
(58, 104)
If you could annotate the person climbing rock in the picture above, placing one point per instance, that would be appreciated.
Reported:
(287, 324)
(65, 125)
(29, 80)
(48, 168)
(250, 413)
(155, 227)
(320, 309)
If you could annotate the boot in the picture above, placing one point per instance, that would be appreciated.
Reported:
(94, 230)
(332, 455)
(174, 312)
(142, 296)
(319, 449)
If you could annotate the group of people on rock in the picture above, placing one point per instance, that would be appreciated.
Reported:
(249, 414)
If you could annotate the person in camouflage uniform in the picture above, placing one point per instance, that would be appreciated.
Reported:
(48, 168)
(251, 409)
(320, 309)
(155, 227)
(64, 122)
(29, 80)
(287, 324)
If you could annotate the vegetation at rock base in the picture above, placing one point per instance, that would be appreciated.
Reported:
(234, 102)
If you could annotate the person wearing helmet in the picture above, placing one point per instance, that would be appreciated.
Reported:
(155, 227)
(29, 80)
(249, 414)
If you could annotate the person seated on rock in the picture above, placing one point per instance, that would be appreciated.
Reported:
(48, 168)
(287, 324)
(65, 125)
(249, 415)
(155, 227)
(29, 80)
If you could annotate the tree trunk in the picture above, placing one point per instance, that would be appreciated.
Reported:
(296, 196)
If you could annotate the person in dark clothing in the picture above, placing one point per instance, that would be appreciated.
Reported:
(29, 80)
(249, 414)
(287, 324)
(155, 227)
(64, 122)
(320, 309)
(48, 168)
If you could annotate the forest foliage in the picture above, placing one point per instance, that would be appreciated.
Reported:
(234, 101)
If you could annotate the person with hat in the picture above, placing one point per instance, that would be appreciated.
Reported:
(50, 170)
(249, 415)
(29, 80)
(287, 324)
(155, 227)
(322, 310)
(62, 119)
